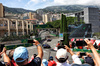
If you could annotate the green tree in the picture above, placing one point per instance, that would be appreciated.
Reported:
(61, 24)
(65, 31)
(70, 20)
(55, 24)
(49, 23)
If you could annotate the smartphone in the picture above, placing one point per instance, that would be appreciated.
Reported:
(83, 54)
(31, 41)
(62, 46)
(1, 47)
(81, 43)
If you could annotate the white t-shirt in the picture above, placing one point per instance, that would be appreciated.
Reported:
(63, 64)
(76, 59)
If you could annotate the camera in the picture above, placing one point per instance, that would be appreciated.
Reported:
(30, 41)
(83, 54)
(62, 46)
(1, 47)
(81, 43)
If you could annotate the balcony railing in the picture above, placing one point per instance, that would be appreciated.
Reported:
(19, 27)
(3, 27)
(12, 27)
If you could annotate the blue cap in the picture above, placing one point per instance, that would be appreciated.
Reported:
(50, 58)
(20, 52)
(45, 62)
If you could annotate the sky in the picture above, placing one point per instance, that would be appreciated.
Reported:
(38, 4)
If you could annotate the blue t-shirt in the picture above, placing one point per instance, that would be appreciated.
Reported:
(35, 62)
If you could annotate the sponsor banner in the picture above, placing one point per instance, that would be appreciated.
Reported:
(84, 50)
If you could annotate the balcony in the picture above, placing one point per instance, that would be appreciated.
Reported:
(3, 27)
(19, 27)
(13, 27)
(25, 27)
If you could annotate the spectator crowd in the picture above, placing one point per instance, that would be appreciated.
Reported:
(19, 57)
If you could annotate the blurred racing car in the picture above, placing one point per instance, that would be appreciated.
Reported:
(46, 46)
(48, 40)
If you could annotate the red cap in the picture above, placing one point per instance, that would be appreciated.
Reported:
(99, 44)
(52, 63)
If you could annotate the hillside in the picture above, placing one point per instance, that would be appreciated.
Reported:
(66, 8)
(16, 10)
(53, 9)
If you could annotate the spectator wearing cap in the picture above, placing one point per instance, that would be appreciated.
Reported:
(87, 58)
(62, 56)
(51, 62)
(44, 62)
(21, 56)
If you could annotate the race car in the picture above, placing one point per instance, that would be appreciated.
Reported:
(48, 40)
(46, 46)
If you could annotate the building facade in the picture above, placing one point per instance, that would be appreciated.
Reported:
(40, 12)
(1, 10)
(46, 18)
(69, 14)
(50, 17)
(13, 26)
(90, 16)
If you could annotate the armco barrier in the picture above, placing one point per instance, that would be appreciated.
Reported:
(25, 44)
(14, 46)
(25, 40)
(84, 50)
(53, 34)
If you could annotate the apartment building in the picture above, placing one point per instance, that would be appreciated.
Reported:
(46, 18)
(56, 17)
(1, 10)
(50, 17)
(12, 25)
(91, 16)
(40, 12)
(69, 14)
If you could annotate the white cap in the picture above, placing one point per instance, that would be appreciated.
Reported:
(61, 53)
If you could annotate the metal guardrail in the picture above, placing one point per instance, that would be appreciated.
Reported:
(25, 44)
(15, 46)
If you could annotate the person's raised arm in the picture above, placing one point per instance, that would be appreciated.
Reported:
(74, 57)
(68, 50)
(88, 54)
(39, 48)
(5, 56)
(96, 55)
